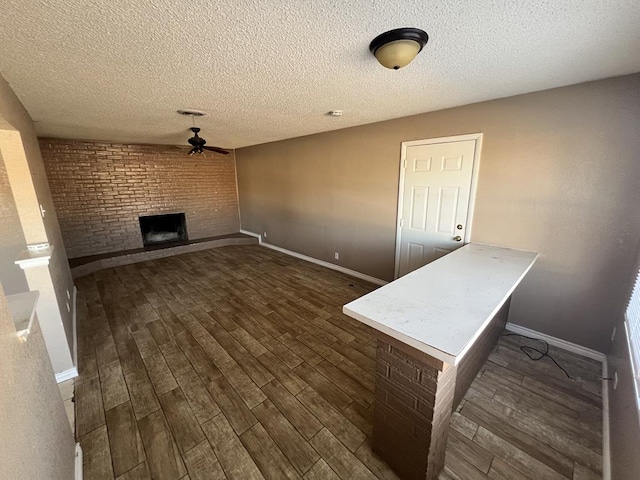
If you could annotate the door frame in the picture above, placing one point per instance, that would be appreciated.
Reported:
(477, 137)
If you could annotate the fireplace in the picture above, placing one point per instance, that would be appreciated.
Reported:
(163, 228)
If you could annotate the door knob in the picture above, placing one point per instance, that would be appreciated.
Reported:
(457, 238)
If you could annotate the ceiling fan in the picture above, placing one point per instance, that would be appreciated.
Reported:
(198, 144)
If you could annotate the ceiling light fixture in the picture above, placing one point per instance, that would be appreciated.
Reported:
(189, 112)
(397, 48)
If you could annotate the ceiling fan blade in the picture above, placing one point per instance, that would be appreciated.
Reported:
(216, 149)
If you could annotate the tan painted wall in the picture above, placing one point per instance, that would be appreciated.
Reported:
(37, 441)
(559, 174)
(26, 163)
(12, 240)
(623, 415)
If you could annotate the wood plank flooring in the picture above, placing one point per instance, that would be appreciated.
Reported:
(237, 363)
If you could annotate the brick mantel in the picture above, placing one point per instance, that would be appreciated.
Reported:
(100, 189)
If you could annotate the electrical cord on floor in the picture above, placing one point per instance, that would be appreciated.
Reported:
(528, 351)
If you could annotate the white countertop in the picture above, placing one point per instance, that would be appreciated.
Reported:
(443, 307)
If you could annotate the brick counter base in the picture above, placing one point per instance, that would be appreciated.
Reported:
(415, 397)
(414, 400)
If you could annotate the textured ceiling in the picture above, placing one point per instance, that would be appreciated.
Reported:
(118, 70)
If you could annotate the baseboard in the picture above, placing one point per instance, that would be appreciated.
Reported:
(252, 234)
(557, 342)
(588, 353)
(606, 439)
(332, 266)
(66, 375)
(78, 463)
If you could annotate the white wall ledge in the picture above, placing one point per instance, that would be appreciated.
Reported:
(31, 258)
(23, 310)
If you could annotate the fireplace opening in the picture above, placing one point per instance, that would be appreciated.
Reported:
(163, 228)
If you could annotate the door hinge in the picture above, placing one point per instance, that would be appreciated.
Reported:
(401, 222)
(404, 163)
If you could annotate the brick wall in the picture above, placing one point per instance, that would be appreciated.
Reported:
(100, 190)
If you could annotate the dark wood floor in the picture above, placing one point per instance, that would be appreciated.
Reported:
(237, 363)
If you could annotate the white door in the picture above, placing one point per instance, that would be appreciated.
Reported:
(434, 201)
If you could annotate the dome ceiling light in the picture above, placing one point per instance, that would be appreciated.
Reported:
(397, 48)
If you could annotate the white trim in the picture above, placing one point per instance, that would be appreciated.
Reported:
(32, 262)
(557, 342)
(606, 435)
(332, 266)
(474, 187)
(477, 137)
(66, 375)
(452, 138)
(632, 363)
(322, 263)
(257, 235)
(78, 463)
(235, 171)
(632, 334)
(74, 324)
(34, 258)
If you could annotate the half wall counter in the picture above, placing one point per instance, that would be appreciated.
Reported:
(435, 327)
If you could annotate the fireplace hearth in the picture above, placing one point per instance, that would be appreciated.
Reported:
(158, 229)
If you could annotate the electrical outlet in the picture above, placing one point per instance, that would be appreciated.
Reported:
(264, 234)
(336, 255)
(615, 380)
(613, 333)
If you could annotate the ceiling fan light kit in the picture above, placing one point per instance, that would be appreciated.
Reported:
(397, 48)
(198, 143)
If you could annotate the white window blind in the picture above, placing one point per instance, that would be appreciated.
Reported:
(632, 326)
